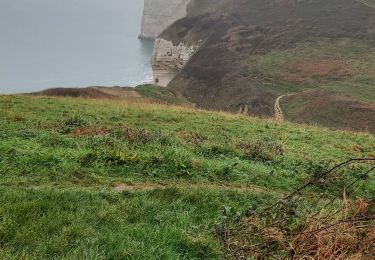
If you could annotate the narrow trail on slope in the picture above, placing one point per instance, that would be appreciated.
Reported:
(279, 115)
(150, 186)
(153, 186)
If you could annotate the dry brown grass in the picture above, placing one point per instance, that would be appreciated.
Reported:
(89, 131)
(347, 233)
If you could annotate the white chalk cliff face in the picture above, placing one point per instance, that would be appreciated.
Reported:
(159, 14)
(168, 59)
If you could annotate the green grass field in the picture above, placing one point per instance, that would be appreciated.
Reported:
(107, 179)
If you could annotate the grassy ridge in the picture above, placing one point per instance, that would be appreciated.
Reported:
(112, 179)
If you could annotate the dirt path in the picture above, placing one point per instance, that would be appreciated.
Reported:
(279, 115)
(153, 186)
(150, 186)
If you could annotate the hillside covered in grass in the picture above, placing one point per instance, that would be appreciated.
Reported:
(251, 52)
(114, 179)
(328, 82)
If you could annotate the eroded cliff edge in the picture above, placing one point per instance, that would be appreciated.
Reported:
(175, 45)
(169, 58)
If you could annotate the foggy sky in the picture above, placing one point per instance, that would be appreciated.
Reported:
(46, 42)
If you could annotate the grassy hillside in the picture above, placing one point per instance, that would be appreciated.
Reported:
(345, 65)
(340, 76)
(255, 51)
(117, 179)
(329, 108)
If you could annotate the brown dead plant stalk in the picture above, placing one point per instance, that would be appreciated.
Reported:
(340, 226)
(348, 235)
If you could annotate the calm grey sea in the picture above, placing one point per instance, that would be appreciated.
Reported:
(53, 43)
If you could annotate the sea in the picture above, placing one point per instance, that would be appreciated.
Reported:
(72, 43)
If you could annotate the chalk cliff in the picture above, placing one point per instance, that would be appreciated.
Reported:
(159, 14)
(174, 48)
(169, 58)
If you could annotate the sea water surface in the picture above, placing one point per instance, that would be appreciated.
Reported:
(71, 43)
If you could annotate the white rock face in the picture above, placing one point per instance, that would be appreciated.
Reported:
(168, 59)
(159, 14)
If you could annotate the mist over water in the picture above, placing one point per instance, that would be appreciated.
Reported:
(71, 43)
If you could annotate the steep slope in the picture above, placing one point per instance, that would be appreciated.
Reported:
(232, 42)
(330, 109)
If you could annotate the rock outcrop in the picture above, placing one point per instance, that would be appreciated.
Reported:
(159, 14)
(174, 48)
(168, 59)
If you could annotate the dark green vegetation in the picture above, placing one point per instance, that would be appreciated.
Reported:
(161, 94)
(112, 179)
(256, 50)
